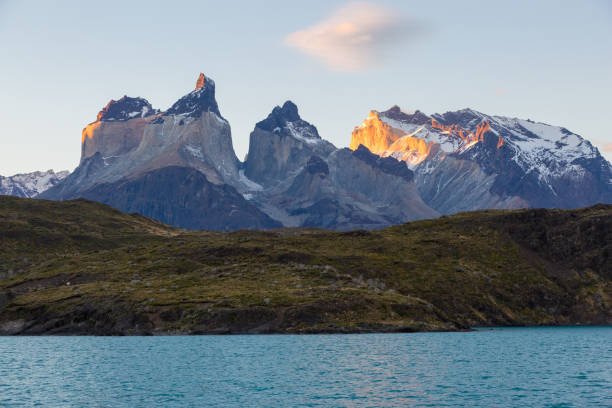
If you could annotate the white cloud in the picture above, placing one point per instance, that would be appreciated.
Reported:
(355, 37)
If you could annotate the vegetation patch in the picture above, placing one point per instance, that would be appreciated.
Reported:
(84, 268)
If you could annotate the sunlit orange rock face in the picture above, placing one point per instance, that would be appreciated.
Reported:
(500, 142)
(374, 134)
(200, 82)
(410, 149)
(465, 135)
(385, 140)
(112, 138)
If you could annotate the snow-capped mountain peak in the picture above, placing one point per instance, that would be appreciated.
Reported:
(30, 184)
(525, 161)
(286, 121)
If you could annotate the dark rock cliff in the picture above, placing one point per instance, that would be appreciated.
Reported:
(182, 197)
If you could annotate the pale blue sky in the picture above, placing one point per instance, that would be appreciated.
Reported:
(549, 61)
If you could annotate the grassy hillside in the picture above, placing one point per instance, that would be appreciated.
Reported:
(85, 268)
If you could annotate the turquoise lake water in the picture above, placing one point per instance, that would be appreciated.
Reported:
(518, 367)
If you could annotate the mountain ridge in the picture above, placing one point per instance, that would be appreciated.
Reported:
(31, 184)
(522, 163)
(81, 267)
(400, 166)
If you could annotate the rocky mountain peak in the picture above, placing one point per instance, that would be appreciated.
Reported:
(289, 111)
(396, 113)
(125, 108)
(280, 116)
(201, 99)
(286, 120)
(30, 184)
(375, 133)
(281, 145)
(466, 118)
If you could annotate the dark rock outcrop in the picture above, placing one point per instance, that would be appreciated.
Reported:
(201, 99)
(182, 197)
(388, 165)
(126, 108)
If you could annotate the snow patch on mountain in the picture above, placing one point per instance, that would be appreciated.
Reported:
(447, 141)
(248, 183)
(195, 151)
(303, 133)
(198, 101)
(30, 184)
(126, 108)
(549, 150)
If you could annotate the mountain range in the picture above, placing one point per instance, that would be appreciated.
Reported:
(179, 166)
(29, 185)
(467, 160)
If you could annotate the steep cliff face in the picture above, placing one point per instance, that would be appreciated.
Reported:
(192, 133)
(281, 144)
(467, 160)
(130, 138)
(384, 185)
(375, 134)
(202, 142)
(118, 128)
(350, 190)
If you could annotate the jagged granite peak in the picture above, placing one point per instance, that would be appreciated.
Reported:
(281, 145)
(375, 133)
(119, 150)
(126, 108)
(309, 182)
(286, 121)
(30, 184)
(201, 99)
(279, 116)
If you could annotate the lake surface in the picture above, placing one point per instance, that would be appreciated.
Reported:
(518, 367)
